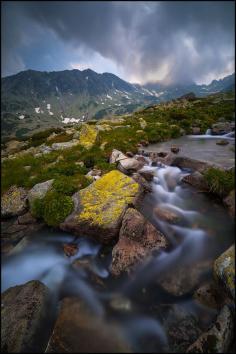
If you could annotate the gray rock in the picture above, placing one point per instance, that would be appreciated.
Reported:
(66, 145)
(13, 202)
(116, 156)
(24, 309)
(39, 191)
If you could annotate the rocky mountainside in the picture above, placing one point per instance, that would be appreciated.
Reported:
(34, 100)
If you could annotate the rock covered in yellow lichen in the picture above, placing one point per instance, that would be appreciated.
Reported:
(224, 270)
(88, 135)
(13, 202)
(99, 208)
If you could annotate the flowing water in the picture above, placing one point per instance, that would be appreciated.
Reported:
(141, 307)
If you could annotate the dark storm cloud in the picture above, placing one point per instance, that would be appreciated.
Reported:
(178, 41)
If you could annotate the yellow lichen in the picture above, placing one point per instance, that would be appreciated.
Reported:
(104, 201)
(88, 136)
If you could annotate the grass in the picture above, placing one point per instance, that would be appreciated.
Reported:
(219, 181)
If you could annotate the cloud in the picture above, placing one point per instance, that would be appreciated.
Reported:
(141, 41)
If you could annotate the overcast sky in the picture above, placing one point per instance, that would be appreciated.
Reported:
(139, 41)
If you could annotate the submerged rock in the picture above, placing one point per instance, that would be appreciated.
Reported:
(13, 202)
(222, 142)
(78, 330)
(24, 310)
(167, 215)
(218, 338)
(137, 239)
(99, 208)
(39, 191)
(224, 270)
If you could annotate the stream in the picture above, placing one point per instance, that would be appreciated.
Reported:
(143, 310)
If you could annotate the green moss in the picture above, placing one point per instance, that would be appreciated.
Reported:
(220, 182)
(68, 185)
(37, 208)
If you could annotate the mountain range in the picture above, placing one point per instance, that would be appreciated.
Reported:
(32, 100)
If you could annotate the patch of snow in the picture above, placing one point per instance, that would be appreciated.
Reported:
(37, 109)
(102, 102)
(86, 78)
(51, 113)
(70, 120)
(21, 116)
(57, 89)
(109, 97)
(48, 106)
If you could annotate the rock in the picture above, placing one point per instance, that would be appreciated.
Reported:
(142, 181)
(148, 175)
(77, 330)
(181, 327)
(137, 239)
(144, 142)
(129, 154)
(26, 219)
(116, 156)
(196, 180)
(196, 130)
(51, 136)
(70, 249)
(193, 164)
(13, 202)
(44, 149)
(180, 282)
(24, 312)
(209, 295)
(229, 202)
(218, 338)
(87, 267)
(13, 146)
(88, 135)
(65, 145)
(175, 149)
(167, 215)
(221, 128)
(99, 208)
(130, 165)
(142, 159)
(222, 142)
(39, 191)
(224, 271)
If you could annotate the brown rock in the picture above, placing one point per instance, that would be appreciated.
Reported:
(142, 182)
(196, 130)
(187, 162)
(209, 295)
(167, 215)
(137, 239)
(70, 249)
(222, 142)
(196, 180)
(175, 149)
(26, 219)
(77, 330)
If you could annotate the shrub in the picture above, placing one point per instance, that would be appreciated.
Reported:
(219, 181)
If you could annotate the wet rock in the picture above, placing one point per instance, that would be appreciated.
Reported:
(78, 330)
(148, 175)
(222, 142)
(26, 219)
(209, 295)
(218, 338)
(142, 181)
(39, 191)
(87, 267)
(137, 239)
(181, 327)
(196, 180)
(167, 215)
(196, 130)
(116, 156)
(175, 149)
(224, 270)
(99, 208)
(70, 249)
(130, 165)
(180, 282)
(88, 135)
(229, 202)
(24, 310)
(13, 202)
(193, 164)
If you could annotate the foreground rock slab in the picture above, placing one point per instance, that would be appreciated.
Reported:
(224, 270)
(137, 239)
(218, 338)
(99, 208)
(24, 309)
(13, 202)
(77, 330)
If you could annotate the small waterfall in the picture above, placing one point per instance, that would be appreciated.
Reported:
(208, 131)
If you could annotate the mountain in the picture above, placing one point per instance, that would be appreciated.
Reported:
(34, 100)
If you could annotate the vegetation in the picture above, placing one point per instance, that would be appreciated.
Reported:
(220, 182)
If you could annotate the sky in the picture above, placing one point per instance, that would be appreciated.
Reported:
(140, 41)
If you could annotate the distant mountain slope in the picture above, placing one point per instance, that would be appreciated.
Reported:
(34, 100)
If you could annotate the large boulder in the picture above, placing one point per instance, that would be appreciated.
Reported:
(137, 239)
(88, 135)
(39, 191)
(99, 208)
(209, 294)
(116, 156)
(196, 180)
(193, 164)
(224, 270)
(218, 338)
(78, 330)
(130, 165)
(24, 312)
(13, 202)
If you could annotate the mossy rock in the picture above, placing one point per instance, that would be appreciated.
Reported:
(224, 270)
(13, 202)
(88, 136)
(99, 208)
